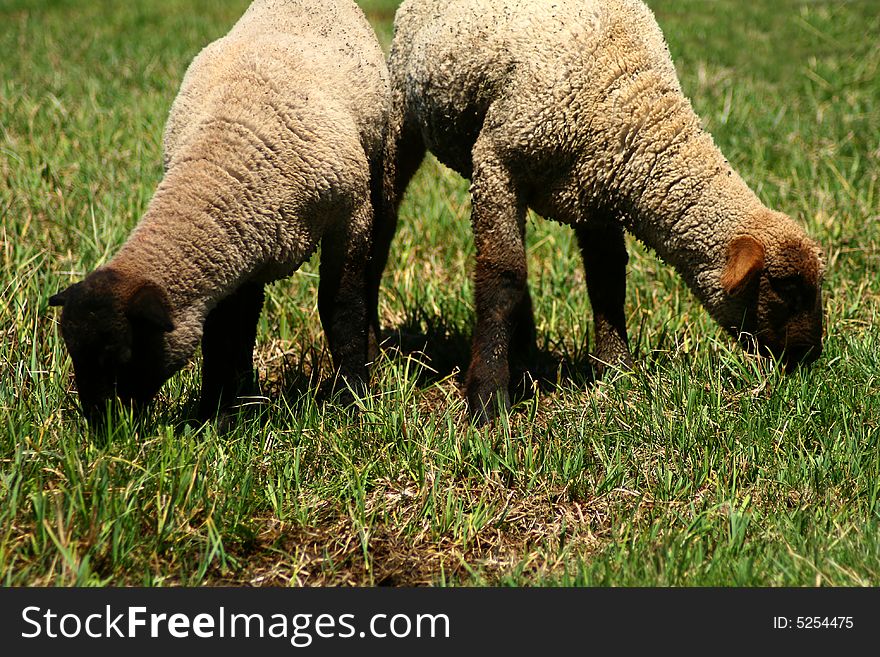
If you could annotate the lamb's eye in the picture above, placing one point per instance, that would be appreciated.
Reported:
(111, 357)
(105, 357)
(792, 291)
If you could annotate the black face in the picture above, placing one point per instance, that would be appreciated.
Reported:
(778, 299)
(100, 345)
(787, 320)
(117, 352)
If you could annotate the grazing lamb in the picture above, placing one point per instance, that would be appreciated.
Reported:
(273, 145)
(573, 108)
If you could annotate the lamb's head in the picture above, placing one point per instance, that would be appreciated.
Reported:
(772, 279)
(115, 329)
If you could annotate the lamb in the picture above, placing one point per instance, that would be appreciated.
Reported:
(573, 108)
(272, 146)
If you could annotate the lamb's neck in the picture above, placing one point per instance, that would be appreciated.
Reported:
(187, 243)
(685, 201)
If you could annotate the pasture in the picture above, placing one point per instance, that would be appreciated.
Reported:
(705, 466)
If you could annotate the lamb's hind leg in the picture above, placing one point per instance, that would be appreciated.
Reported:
(403, 153)
(604, 253)
(228, 339)
(342, 300)
(498, 219)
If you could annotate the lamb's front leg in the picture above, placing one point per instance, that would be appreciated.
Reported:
(343, 300)
(498, 218)
(228, 340)
(604, 253)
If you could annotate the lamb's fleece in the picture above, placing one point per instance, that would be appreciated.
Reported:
(573, 108)
(272, 145)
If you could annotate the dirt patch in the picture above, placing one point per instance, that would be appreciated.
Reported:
(497, 532)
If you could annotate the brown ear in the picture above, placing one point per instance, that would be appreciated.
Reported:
(150, 303)
(59, 298)
(745, 259)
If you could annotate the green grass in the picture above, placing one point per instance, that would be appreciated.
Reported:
(705, 467)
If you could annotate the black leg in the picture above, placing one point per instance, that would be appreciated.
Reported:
(522, 356)
(500, 283)
(230, 333)
(404, 152)
(343, 300)
(604, 253)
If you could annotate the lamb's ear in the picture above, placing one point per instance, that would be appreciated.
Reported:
(150, 303)
(745, 259)
(60, 298)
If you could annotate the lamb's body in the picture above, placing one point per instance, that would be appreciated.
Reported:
(573, 108)
(273, 145)
(577, 97)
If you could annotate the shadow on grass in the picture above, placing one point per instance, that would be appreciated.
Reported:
(442, 343)
(445, 348)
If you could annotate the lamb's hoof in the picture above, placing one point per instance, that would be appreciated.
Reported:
(605, 363)
(342, 392)
(211, 408)
(230, 413)
(228, 397)
(227, 422)
(523, 386)
(486, 405)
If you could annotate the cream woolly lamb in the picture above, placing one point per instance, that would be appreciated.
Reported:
(273, 145)
(573, 108)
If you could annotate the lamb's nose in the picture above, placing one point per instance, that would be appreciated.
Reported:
(801, 356)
